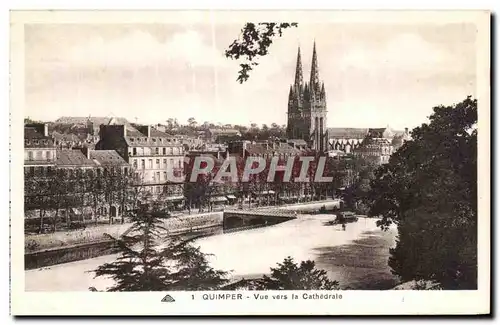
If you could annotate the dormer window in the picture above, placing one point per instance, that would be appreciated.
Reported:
(131, 139)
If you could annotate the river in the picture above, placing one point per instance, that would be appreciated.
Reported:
(356, 257)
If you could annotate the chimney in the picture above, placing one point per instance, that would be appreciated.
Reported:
(86, 152)
(149, 131)
(45, 130)
(124, 131)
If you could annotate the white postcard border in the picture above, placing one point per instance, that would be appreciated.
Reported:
(352, 302)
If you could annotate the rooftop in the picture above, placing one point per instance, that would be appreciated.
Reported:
(93, 119)
(107, 157)
(73, 158)
(347, 133)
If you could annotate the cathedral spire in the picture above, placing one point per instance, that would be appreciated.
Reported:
(314, 82)
(298, 72)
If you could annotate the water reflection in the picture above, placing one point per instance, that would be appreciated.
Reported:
(356, 257)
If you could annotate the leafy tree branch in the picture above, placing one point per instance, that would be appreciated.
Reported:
(254, 41)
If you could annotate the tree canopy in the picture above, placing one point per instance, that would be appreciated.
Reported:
(429, 190)
(145, 265)
(289, 275)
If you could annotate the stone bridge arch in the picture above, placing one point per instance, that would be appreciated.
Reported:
(233, 222)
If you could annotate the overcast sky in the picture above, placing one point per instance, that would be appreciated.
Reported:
(375, 74)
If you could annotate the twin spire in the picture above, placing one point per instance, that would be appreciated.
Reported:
(298, 71)
(314, 84)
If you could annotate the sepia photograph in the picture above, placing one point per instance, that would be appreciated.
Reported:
(230, 157)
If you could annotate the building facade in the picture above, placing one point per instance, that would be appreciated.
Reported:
(60, 183)
(40, 153)
(154, 157)
(307, 107)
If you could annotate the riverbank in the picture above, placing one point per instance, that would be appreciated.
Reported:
(187, 222)
(246, 254)
(59, 240)
(63, 247)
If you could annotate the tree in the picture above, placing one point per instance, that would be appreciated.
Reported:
(143, 265)
(192, 122)
(429, 190)
(37, 196)
(254, 41)
(170, 123)
(293, 276)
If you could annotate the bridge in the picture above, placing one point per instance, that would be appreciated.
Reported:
(255, 218)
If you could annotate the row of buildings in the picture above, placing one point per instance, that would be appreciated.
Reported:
(154, 153)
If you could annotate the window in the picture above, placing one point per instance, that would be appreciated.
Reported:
(134, 152)
(150, 163)
(38, 155)
(30, 155)
(165, 176)
(32, 171)
(157, 176)
(134, 163)
(143, 164)
(164, 162)
(157, 151)
(47, 155)
(171, 163)
(164, 151)
(180, 163)
(157, 163)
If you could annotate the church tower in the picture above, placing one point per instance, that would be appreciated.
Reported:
(307, 107)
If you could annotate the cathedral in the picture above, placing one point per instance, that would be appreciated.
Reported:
(307, 107)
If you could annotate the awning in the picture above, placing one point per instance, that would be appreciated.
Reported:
(174, 198)
(218, 199)
(231, 197)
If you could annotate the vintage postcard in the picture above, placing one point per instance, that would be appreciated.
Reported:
(250, 162)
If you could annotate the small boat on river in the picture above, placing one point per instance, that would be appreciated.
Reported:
(342, 218)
